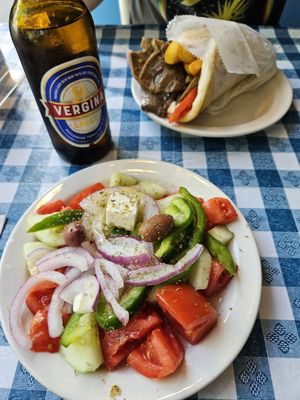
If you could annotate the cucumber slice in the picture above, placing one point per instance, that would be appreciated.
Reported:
(199, 275)
(80, 343)
(51, 237)
(221, 233)
(181, 213)
(81, 329)
(151, 188)
(131, 300)
(30, 258)
(121, 179)
(83, 358)
(166, 201)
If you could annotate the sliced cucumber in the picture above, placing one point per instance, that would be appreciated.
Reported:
(131, 300)
(80, 329)
(83, 358)
(166, 201)
(199, 275)
(121, 179)
(51, 237)
(151, 188)
(80, 343)
(181, 212)
(151, 298)
(32, 257)
(221, 233)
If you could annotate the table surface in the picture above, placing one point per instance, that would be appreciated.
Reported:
(260, 172)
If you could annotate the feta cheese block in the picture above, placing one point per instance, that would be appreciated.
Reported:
(122, 210)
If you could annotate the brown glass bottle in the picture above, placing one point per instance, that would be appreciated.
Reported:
(56, 43)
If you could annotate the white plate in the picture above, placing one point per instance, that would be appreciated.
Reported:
(248, 113)
(204, 362)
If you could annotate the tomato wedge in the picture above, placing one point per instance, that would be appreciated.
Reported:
(219, 211)
(74, 202)
(159, 355)
(187, 310)
(219, 277)
(51, 207)
(184, 106)
(117, 344)
(40, 296)
(39, 334)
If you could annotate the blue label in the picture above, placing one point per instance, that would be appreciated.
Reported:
(73, 97)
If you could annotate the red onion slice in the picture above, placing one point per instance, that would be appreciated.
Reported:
(113, 271)
(91, 248)
(112, 286)
(120, 312)
(86, 284)
(157, 274)
(149, 206)
(56, 252)
(69, 259)
(37, 254)
(68, 249)
(125, 251)
(133, 267)
(67, 308)
(84, 253)
(97, 231)
(55, 323)
(15, 314)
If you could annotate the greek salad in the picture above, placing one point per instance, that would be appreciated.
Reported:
(122, 273)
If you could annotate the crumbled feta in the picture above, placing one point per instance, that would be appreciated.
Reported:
(122, 210)
(82, 303)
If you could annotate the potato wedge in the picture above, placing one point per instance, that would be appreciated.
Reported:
(172, 53)
(194, 67)
(185, 56)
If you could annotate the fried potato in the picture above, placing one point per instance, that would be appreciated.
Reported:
(172, 53)
(185, 56)
(176, 53)
(193, 68)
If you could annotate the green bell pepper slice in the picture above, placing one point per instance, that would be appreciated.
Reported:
(173, 244)
(220, 252)
(131, 300)
(198, 230)
(181, 212)
(57, 219)
(199, 216)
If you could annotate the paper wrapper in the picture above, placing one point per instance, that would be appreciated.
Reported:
(245, 59)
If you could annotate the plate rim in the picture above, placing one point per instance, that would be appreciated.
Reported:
(203, 132)
(186, 391)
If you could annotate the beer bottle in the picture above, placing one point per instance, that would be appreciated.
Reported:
(56, 43)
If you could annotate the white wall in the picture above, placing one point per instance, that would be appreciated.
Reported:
(5, 6)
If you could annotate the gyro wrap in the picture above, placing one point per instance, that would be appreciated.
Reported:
(236, 59)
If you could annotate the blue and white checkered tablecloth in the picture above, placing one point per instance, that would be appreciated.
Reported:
(260, 172)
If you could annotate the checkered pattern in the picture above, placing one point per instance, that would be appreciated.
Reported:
(260, 172)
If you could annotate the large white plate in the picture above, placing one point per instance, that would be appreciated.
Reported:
(248, 113)
(238, 306)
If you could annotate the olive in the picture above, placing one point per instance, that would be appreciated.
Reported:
(74, 234)
(156, 227)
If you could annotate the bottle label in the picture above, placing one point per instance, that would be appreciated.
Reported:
(73, 96)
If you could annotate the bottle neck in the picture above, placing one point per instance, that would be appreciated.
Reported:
(43, 14)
